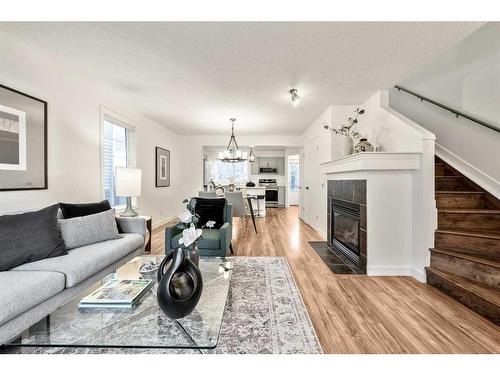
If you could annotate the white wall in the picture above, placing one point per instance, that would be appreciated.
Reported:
(466, 78)
(74, 137)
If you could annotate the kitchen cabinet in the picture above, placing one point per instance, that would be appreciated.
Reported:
(281, 196)
(280, 165)
(269, 162)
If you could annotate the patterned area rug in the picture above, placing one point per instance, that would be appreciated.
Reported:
(264, 314)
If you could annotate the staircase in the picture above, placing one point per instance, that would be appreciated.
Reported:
(465, 263)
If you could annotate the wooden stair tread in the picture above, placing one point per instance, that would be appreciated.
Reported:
(451, 177)
(473, 258)
(483, 233)
(487, 293)
(458, 192)
(469, 211)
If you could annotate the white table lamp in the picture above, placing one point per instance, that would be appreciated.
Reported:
(128, 184)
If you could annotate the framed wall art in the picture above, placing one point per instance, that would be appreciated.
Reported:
(162, 167)
(23, 141)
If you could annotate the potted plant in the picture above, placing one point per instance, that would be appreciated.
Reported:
(347, 133)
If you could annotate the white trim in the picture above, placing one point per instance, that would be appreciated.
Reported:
(419, 275)
(396, 271)
(164, 221)
(487, 182)
(320, 232)
(389, 271)
(369, 161)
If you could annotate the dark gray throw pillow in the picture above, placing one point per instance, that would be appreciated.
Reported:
(30, 237)
(70, 210)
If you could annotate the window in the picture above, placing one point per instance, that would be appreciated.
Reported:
(294, 176)
(231, 172)
(116, 152)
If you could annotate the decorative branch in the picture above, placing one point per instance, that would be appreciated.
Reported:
(348, 130)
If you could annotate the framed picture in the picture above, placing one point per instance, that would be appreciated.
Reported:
(23, 141)
(162, 167)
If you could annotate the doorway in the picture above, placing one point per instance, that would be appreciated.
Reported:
(293, 180)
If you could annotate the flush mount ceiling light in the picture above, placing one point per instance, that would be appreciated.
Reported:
(295, 97)
(232, 154)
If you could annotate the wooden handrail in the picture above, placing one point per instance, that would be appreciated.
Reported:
(452, 110)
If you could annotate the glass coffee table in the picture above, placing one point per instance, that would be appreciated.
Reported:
(144, 326)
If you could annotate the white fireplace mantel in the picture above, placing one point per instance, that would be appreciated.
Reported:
(373, 161)
(392, 204)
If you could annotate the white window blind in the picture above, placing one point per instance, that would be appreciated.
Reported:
(116, 150)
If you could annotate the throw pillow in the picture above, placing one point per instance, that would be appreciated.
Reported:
(86, 230)
(70, 210)
(30, 237)
(210, 209)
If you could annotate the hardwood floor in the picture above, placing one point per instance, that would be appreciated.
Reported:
(362, 314)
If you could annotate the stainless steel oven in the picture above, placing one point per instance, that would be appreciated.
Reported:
(271, 191)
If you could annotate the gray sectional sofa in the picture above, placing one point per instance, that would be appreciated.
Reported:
(32, 291)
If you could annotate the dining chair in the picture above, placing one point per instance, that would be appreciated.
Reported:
(239, 207)
(207, 194)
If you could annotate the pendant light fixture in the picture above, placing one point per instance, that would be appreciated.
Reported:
(251, 156)
(232, 154)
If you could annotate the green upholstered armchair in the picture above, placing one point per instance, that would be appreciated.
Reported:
(213, 242)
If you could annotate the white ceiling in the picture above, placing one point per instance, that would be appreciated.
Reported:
(192, 77)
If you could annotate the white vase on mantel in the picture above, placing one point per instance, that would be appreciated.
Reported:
(342, 146)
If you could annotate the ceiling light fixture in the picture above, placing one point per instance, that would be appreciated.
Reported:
(251, 157)
(232, 154)
(295, 97)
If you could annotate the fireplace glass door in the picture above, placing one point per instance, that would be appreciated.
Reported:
(345, 228)
(346, 231)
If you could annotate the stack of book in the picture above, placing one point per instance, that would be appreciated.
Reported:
(120, 294)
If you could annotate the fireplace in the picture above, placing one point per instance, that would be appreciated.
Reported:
(345, 230)
(346, 222)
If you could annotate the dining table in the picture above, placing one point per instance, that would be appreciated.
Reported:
(249, 198)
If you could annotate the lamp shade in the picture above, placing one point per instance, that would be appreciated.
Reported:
(128, 182)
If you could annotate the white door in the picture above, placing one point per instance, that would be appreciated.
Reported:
(302, 178)
(293, 179)
(310, 185)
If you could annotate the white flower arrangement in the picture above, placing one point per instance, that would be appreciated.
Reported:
(190, 235)
(188, 220)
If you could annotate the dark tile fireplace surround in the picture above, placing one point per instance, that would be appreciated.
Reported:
(346, 222)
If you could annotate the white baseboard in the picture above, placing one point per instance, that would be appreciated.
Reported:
(388, 271)
(487, 182)
(157, 224)
(396, 271)
(419, 275)
(320, 232)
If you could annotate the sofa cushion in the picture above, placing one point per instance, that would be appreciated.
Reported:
(22, 290)
(30, 237)
(210, 239)
(70, 210)
(83, 262)
(86, 230)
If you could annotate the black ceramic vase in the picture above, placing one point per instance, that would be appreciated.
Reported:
(180, 287)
